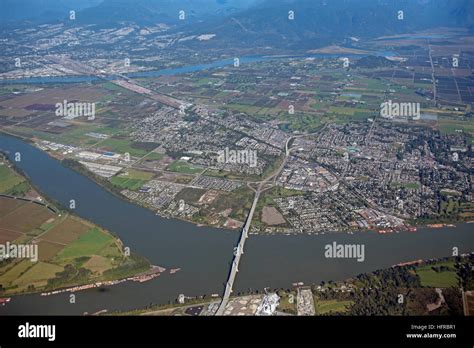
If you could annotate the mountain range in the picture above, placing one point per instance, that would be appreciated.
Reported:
(113, 12)
(318, 22)
(247, 23)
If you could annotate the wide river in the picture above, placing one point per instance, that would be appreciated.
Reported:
(204, 254)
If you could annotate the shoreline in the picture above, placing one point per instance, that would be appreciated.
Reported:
(57, 209)
(211, 298)
(102, 182)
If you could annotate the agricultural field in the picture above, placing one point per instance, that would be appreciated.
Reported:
(70, 250)
(8, 178)
(121, 146)
(62, 240)
(31, 112)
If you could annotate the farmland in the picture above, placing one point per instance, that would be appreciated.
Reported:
(71, 251)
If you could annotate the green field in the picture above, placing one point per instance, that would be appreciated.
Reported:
(190, 195)
(301, 122)
(71, 251)
(90, 243)
(452, 126)
(37, 275)
(328, 306)
(8, 178)
(121, 146)
(132, 179)
(125, 183)
(442, 279)
(267, 198)
(154, 156)
(13, 273)
(183, 167)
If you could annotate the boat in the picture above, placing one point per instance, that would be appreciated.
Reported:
(440, 225)
(4, 301)
(174, 270)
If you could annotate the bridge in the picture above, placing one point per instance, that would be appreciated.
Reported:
(239, 250)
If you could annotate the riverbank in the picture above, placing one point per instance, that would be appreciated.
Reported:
(410, 225)
(71, 251)
(337, 298)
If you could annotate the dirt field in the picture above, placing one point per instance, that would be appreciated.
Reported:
(25, 218)
(51, 96)
(65, 232)
(271, 216)
(8, 205)
(8, 236)
(98, 264)
(48, 250)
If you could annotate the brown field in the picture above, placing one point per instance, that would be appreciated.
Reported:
(98, 264)
(8, 236)
(27, 104)
(20, 113)
(66, 232)
(271, 216)
(7, 205)
(47, 250)
(51, 96)
(25, 218)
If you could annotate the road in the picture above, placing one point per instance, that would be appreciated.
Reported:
(433, 77)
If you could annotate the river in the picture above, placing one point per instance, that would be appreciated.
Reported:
(179, 70)
(204, 254)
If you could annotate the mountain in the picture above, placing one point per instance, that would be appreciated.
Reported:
(113, 12)
(320, 22)
(251, 23)
(39, 11)
(150, 12)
